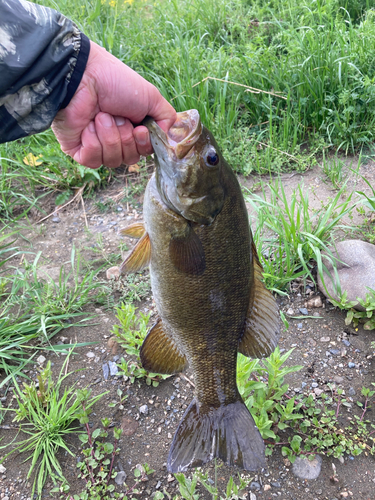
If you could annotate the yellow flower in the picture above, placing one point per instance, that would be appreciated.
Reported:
(32, 160)
(112, 3)
(128, 1)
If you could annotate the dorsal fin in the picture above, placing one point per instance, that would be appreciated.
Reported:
(262, 324)
(136, 230)
(160, 354)
(139, 257)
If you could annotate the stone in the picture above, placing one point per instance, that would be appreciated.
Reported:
(267, 487)
(56, 219)
(144, 410)
(105, 371)
(351, 391)
(318, 392)
(355, 268)
(113, 273)
(325, 339)
(315, 302)
(290, 312)
(120, 478)
(90, 354)
(351, 364)
(254, 485)
(338, 379)
(307, 469)
(252, 496)
(276, 484)
(335, 352)
(113, 368)
(41, 359)
(2, 469)
(303, 311)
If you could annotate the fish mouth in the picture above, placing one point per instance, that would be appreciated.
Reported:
(181, 137)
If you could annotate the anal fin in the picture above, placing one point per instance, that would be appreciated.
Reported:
(160, 354)
(136, 230)
(139, 257)
(262, 325)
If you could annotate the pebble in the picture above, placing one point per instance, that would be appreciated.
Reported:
(144, 410)
(351, 365)
(300, 326)
(335, 352)
(314, 384)
(318, 392)
(105, 371)
(325, 339)
(56, 219)
(307, 469)
(346, 342)
(252, 496)
(254, 485)
(290, 312)
(120, 478)
(351, 391)
(303, 311)
(90, 354)
(338, 379)
(276, 484)
(113, 273)
(2, 469)
(113, 368)
(41, 359)
(267, 487)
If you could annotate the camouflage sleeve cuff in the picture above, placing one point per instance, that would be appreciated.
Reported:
(43, 56)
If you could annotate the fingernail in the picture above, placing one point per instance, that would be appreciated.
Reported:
(91, 127)
(106, 120)
(120, 121)
(141, 141)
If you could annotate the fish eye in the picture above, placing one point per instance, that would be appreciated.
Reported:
(212, 157)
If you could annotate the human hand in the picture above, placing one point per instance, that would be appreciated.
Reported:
(96, 128)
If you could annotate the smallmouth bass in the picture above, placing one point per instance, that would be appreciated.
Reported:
(206, 282)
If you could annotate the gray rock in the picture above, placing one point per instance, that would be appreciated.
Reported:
(254, 485)
(300, 326)
(113, 368)
(356, 270)
(351, 391)
(105, 371)
(351, 364)
(314, 384)
(120, 478)
(303, 311)
(90, 354)
(113, 273)
(346, 342)
(335, 352)
(144, 410)
(307, 469)
(290, 312)
(276, 484)
(56, 219)
(338, 379)
(41, 359)
(252, 496)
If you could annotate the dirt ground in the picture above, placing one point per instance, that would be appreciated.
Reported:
(147, 436)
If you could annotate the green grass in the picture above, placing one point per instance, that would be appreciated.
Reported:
(35, 308)
(304, 72)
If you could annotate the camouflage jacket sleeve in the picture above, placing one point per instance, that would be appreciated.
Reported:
(42, 59)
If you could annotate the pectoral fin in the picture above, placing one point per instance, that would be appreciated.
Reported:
(139, 257)
(187, 253)
(262, 325)
(136, 230)
(160, 354)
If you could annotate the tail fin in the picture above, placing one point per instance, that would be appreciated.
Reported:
(228, 432)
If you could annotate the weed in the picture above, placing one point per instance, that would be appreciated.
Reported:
(133, 287)
(49, 413)
(37, 309)
(96, 465)
(130, 334)
(354, 316)
(289, 238)
(333, 169)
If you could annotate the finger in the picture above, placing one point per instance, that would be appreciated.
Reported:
(90, 152)
(109, 137)
(130, 154)
(142, 139)
(160, 110)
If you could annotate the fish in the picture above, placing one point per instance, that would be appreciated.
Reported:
(206, 280)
